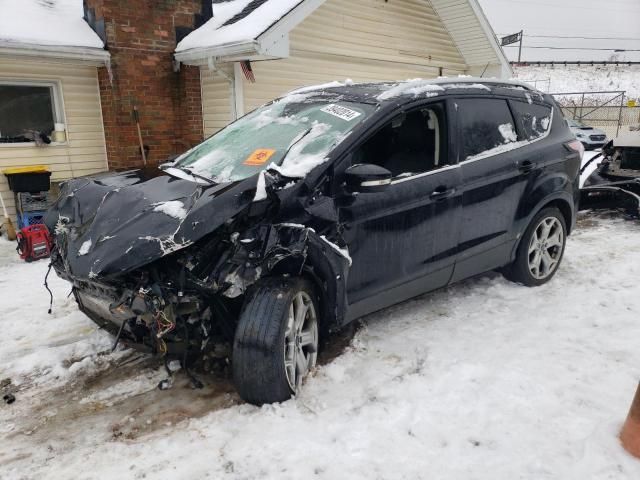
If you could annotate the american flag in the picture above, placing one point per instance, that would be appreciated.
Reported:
(248, 71)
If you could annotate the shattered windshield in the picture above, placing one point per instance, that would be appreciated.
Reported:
(291, 135)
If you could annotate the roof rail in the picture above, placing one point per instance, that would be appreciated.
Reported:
(484, 81)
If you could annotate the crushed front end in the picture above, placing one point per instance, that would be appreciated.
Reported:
(171, 279)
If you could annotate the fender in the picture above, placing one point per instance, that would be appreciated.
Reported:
(287, 249)
(548, 189)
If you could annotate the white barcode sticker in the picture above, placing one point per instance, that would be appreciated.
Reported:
(341, 112)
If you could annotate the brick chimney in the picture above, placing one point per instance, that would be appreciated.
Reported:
(141, 37)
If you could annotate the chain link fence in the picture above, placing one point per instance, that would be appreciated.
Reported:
(604, 110)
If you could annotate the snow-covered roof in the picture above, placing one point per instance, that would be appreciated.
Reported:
(237, 25)
(258, 29)
(48, 27)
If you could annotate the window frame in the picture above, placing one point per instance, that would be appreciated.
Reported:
(460, 142)
(57, 105)
(339, 165)
(516, 121)
(520, 125)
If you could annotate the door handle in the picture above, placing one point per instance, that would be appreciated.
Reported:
(526, 166)
(441, 193)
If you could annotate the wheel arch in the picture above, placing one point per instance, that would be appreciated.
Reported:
(564, 207)
(559, 201)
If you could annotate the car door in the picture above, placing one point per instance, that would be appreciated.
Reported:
(496, 170)
(402, 240)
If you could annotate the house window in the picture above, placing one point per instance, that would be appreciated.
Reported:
(28, 110)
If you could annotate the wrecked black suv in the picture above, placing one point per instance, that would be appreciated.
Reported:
(318, 208)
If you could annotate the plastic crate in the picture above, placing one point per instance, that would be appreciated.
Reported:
(30, 218)
(32, 182)
(32, 202)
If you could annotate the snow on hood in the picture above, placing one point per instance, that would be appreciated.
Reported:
(215, 32)
(114, 223)
(46, 23)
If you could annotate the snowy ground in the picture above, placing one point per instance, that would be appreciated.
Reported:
(483, 380)
(573, 78)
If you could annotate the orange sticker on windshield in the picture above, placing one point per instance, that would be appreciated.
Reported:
(259, 157)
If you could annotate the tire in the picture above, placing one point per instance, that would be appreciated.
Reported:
(269, 360)
(531, 251)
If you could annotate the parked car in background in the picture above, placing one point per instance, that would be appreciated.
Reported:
(314, 210)
(590, 137)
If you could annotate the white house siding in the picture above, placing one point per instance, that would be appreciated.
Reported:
(84, 152)
(365, 40)
(469, 28)
(216, 97)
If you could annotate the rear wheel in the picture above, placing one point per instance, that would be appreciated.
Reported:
(276, 341)
(541, 249)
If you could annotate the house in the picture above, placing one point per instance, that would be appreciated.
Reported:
(49, 59)
(291, 43)
(189, 67)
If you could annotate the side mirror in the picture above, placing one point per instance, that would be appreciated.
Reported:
(367, 178)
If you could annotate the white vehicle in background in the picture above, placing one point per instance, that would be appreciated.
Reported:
(590, 137)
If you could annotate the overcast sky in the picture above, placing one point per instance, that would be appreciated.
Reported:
(606, 24)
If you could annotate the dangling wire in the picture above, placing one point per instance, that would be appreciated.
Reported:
(46, 285)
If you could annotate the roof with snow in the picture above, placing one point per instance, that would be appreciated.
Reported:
(237, 23)
(48, 28)
(258, 29)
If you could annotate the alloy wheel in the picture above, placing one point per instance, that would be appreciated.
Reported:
(300, 340)
(545, 247)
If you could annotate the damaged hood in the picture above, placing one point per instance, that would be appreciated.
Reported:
(116, 222)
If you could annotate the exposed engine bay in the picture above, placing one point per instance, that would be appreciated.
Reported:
(169, 277)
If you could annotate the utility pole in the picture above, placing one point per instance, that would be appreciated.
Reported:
(520, 47)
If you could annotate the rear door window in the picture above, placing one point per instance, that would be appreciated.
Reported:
(534, 119)
(486, 126)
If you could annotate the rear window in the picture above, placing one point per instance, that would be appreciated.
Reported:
(535, 119)
(486, 126)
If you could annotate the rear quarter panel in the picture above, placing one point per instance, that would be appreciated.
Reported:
(557, 178)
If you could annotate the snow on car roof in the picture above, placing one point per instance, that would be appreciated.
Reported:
(57, 23)
(237, 21)
(416, 87)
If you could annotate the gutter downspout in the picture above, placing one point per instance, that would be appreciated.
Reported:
(238, 89)
(232, 84)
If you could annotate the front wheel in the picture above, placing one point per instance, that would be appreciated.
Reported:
(276, 341)
(541, 249)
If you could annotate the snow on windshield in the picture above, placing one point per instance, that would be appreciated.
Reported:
(292, 136)
(298, 163)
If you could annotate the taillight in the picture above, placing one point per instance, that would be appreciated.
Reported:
(575, 146)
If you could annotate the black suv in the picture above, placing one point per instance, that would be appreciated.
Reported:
(318, 208)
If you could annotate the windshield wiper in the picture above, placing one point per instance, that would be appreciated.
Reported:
(298, 140)
(210, 181)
